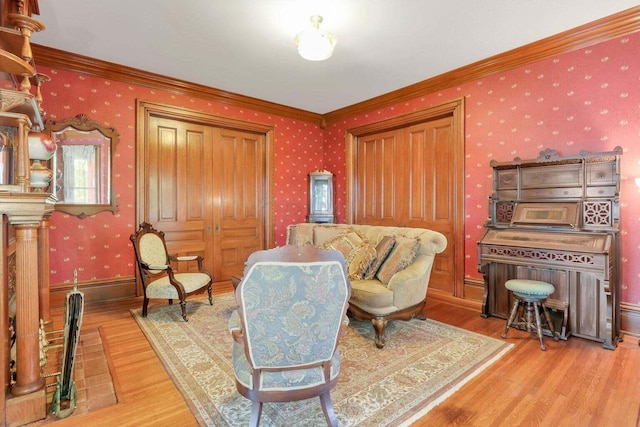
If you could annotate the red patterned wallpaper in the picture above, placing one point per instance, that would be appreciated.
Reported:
(98, 246)
(584, 100)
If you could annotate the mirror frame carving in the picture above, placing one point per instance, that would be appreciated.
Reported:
(82, 122)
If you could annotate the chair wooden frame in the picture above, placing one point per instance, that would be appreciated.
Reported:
(183, 283)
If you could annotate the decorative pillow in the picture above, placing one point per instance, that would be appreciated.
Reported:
(324, 233)
(402, 255)
(365, 256)
(383, 248)
(345, 243)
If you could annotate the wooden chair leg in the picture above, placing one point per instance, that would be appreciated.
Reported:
(210, 296)
(183, 307)
(327, 410)
(145, 306)
(256, 411)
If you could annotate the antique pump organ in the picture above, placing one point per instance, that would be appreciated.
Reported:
(556, 219)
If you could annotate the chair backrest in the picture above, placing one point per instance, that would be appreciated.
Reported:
(292, 301)
(152, 249)
(149, 247)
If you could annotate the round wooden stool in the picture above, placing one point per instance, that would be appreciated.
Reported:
(532, 294)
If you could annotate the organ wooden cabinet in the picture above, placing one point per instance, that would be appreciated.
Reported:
(556, 219)
(24, 212)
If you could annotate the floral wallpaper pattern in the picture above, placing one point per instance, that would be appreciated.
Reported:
(98, 246)
(588, 99)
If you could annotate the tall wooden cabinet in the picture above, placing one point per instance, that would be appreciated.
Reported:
(25, 212)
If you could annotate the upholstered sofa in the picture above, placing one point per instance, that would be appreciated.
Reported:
(389, 267)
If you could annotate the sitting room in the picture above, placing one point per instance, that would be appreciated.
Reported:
(474, 174)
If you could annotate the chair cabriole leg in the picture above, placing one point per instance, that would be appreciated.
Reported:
(183, 307)
(145, 306)
(327, 410)
(256, 411)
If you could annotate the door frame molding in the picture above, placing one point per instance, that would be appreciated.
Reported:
(147, 109)
(453, 109)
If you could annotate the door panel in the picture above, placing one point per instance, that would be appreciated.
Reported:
(378, 172)
(203, 180)
(177, 183)
(239, 198)
(434, 178)
(406, 177)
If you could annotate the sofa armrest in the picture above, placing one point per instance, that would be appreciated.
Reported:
(409, 286)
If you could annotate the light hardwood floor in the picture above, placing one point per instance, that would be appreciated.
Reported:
(574, 383)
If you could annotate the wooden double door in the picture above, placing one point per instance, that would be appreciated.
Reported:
(205, 186)
(407, 172)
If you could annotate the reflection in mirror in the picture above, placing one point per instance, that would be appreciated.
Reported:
(83, 174)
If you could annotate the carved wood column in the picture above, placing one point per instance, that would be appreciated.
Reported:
(28, 378)
(43, 273)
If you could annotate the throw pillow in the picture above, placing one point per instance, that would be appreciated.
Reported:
(324, 233)
(345, 243)
(403, 254)
(383, 248)
(361, 262)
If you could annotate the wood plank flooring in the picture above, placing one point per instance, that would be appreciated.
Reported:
(574, 383)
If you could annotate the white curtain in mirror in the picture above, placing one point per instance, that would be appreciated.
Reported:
(80, 178)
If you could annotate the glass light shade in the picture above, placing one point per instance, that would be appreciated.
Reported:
(314, 44)
(41, 146)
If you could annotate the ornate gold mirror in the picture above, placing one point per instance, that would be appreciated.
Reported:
(83, 176)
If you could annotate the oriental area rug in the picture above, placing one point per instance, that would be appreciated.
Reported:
(422, 363)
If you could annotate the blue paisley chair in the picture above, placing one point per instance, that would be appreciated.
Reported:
(158, 273)
(292, 302)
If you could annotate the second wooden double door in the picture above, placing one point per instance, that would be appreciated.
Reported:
(407, 172)
(205, 188)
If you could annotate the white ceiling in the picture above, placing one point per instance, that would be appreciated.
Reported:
(246, 46)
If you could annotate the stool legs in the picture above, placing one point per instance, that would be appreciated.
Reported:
(531, 312)
(538, 325)
(556, 336)
(512, 316)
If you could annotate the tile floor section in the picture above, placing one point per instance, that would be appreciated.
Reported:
(94, 384)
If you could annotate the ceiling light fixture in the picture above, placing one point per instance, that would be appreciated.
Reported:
(314, 44)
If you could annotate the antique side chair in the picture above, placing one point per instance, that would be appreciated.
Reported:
(158, 275)
(292, 302)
